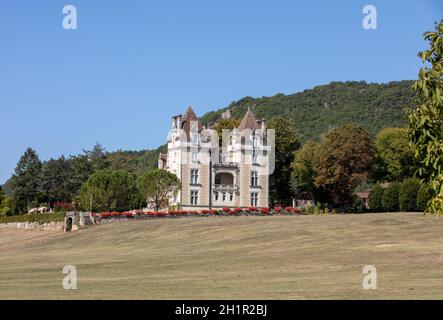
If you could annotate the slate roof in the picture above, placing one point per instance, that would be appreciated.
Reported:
(189, 117)
(248, 122)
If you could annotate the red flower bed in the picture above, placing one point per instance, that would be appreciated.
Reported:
(238, 210)
(278, 209)
(264, 210)
(292, 210)
(179, 212)
(208, 211)
(252, 209)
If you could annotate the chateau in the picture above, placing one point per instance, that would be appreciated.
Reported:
(217, 172)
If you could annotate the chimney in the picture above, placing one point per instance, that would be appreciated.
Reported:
(176, 121)
(262, 124)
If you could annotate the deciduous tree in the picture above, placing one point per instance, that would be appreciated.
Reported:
(286, 143)
(230, 124)
(158, 186)
(343, 160)
(303, 174)
(394, 155)
(426, 121)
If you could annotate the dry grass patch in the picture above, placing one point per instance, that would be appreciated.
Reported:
(277, 257)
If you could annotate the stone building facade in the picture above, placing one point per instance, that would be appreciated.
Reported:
(216, 172)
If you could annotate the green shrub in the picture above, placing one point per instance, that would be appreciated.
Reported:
(375, 200)
(311, 210)
(390, 199)
(357, 206)
(36, 217)
(408, 194)
(423, 198)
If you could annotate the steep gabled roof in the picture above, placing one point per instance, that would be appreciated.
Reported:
(189, 117)
(248, 122)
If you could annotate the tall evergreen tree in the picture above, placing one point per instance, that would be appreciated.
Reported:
(286, 143)
(54, 180)
(26, 180)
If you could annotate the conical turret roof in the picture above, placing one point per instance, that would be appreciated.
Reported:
(248, 122)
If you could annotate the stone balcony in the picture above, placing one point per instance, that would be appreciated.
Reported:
(225, 187)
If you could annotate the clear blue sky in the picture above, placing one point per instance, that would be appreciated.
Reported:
(131, 65)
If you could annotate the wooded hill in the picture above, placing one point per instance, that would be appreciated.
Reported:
(315, 111)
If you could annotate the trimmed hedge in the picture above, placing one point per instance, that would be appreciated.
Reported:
(35, 217)
(423, 198)
(390, 199)
(375, 200)
(408, 194)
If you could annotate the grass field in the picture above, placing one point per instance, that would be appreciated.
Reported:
(279, 257)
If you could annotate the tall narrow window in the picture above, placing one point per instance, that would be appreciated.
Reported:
(194, 176)
(254, 158)
(254, 178)
(231, 196)
(224, 196)
(194, 197)
(216, 196)
(254, 199)
(194, 156)
(255, 142)
(195, 139)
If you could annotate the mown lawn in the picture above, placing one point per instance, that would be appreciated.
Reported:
(277, 257)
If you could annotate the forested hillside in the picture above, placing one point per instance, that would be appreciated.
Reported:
(315, 111)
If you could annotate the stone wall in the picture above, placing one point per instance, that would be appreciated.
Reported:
(35, 226)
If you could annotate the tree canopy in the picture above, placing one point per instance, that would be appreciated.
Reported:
(395, 156)
(313, 112)
(344, 159)
(25, 181)
(426, 121)
(158, 186)
(302, 178)
(108, 190)
(286, 143)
